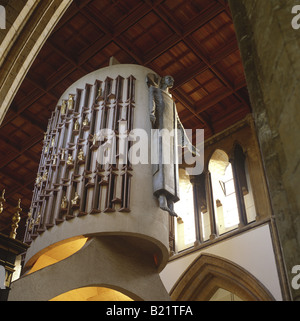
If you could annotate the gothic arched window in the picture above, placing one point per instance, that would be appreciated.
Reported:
(185, 223)
(223, 192)
(215, 202)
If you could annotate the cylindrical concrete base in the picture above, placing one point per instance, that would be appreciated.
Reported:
(111, 262)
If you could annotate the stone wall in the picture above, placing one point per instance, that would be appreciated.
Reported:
(270, 52)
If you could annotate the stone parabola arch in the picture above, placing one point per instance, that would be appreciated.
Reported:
(24, 38)
(208, 273)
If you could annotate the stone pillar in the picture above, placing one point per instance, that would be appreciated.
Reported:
(210, 199)
(270, 51)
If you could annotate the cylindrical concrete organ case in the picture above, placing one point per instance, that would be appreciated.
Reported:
(79, 190)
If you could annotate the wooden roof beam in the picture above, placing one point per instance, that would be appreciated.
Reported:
(32, 141)
(70, 13)
(197, 23)
(182, 99)
(27, 182)
(37, 124)
(210, 101)
(113, 35)
(213, 68)
(188, 74)
(230, 47)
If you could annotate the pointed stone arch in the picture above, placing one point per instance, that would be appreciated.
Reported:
(22, 43)
(208, 273)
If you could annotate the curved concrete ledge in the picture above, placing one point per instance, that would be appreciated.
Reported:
(104, 261)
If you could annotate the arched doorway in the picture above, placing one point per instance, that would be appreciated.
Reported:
(209, 273)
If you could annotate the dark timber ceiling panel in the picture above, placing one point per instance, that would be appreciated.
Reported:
(192, 40)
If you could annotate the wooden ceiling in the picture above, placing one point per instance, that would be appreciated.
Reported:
(192, 40)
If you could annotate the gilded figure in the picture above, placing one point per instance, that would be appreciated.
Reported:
(70, 160)
(71, 102)
(86, 121)
(45, 176)
(81, 155)
(76, 125)
(99, 95)
(54, 162)
(63, 108)
(38, 219)
(64, 203)
(75, 200)
(62, 154)
(2, 200)
(15, 221)
(38, 180)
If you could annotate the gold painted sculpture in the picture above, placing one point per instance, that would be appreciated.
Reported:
(76, 125)
(38, 180)
(45, 176)
(70, 160)
(86, 121)
(63, 108)
(75, 200)
(31, 224)
(70, 102)
(2, 200)
(64, 203)
(30, 220)
(29, 215)
(38, 219)
(99, 94)
(15, 220)
(95, 137)
(80, 155)
(63, 154)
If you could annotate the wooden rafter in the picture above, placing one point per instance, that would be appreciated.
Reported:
(181, 52)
